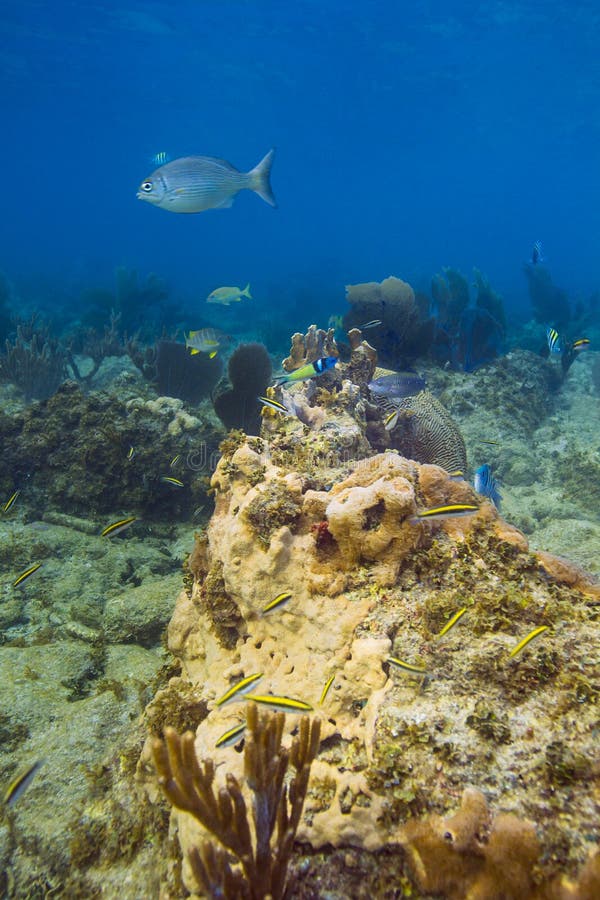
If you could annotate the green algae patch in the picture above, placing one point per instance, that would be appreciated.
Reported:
(272, 508)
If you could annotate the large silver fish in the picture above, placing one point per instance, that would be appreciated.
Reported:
(192, 184)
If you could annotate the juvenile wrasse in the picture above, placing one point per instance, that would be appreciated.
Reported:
(408, 667)
(241, 687)
(532, 634)
(284, 704)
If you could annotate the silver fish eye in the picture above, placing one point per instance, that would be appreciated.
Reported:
(147, 186)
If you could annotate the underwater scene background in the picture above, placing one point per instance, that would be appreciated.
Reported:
(300, 470)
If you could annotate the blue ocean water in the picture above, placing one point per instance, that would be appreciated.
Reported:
(408, 138)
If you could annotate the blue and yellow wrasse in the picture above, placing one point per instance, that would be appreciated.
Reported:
(284, 704)
(175, 482)
(232, 736)
(276, 405)
(19, 785)
(279, 600)
(238, 689)
(325, 690)
(532, 634)
(131, 453)
(581, 344)
(452, 622)
(11, 500)
(117, 527)
(318, 367)
(391, 420)
(26, 574)
(406, 666)
(452, 511)
(175, 460)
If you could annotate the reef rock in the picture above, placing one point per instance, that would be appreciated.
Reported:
(411, 716)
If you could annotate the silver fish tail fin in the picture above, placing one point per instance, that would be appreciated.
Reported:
(260, 179)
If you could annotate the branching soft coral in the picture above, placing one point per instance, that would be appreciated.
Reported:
(248, 864)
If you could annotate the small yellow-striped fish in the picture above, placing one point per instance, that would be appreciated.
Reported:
(285, 704)
(452, 622)
(239, 688)
(325, 690)
(131, 453)
(175, 460)
(391, 421)
(117, 527)
(11, 500)
(532, 634)
(408, 667)
(279, 600)
(232, 736)
(26, 574)
(452, 511)
(276, 405)
(168, 479)
(19, 785)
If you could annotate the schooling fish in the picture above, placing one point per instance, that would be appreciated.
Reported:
(232, 736)
(452, 511)
(318, 367)
(532, 634)
(487, 485)
(226, 295)
(11, 500)
(206, 340)
(175, 482)
(192, 184)
(279, 600)
(554, 342)
(536, 253)
(276, 405)
(581, 344)
(284, 704)
(20, 784)
(397, 385)
(374, 323)
(21, 578)
(118, 527)
(239, 689)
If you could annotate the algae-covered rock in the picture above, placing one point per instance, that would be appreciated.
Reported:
(410, 717)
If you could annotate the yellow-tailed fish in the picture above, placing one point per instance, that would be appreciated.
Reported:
(279, 600)
(19, 785)
(238, 689)
(192, 184)
(325, 690)
(532, 634)
(226, 295)
(11, 500)
(206, 340)
(175, 460)
(117, 527)
(452, 511)
(131, 453)
(232, 736)
(276, 405)
(406, 666)
(284, 704)
(26, 574)
(175, 482)
(311, 370)
(452, 622)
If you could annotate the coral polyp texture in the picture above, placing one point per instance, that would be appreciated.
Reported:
(410, 717)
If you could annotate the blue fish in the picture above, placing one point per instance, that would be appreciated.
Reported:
(487, 485)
